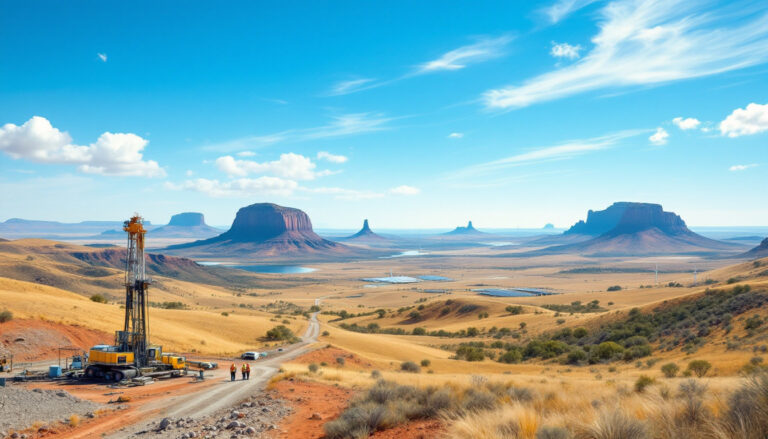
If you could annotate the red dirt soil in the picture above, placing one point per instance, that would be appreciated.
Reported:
(308, 398)
(36, 340)
(329, 356)
(423, 429)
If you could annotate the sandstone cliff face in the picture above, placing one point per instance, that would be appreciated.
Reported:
(187, 219)
(265, 230)
(623, 217)
(259, 222)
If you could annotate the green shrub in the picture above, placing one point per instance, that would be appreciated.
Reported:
(326, 333)
(281, 333)
(98, 298)
(512, 356)
(313, 367)
(470, 353)
(514, 309)
(419, 331)
(670, 370)
(642, 382)
(614, 288)
(425, 363)
(410, 366)
(6, 316)
(577, 356)
(608, 349)
(340, 361)
(699, 367)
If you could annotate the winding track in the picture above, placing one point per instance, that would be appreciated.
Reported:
(225, 393)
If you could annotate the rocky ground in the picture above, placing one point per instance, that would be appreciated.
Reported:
(256, 417)
(21, 408)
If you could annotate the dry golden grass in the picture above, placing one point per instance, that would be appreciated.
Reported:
(177, 330)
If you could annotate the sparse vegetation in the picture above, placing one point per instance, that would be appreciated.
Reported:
(410, 366)
(98, 298)
(5, 316)
(699, 367)
(614, 288)
(670, 370)
(281, 333)
(169, 305)
(577, 306)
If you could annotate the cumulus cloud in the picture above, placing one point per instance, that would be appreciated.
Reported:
(688, 123)
(741, 167)
(483, 50)
(659, 137)
(650, 42)
(455, 135)
(102, 57)
(404, 190)
(746, 121)
(333, 158)
(289, 165)
(565, 50)
(112, 153)
(242, 187)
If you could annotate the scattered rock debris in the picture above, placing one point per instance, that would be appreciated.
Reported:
(253, 418)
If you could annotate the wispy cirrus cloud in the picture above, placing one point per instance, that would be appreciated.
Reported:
(563, 8)
(461, 57)
(352, 86)
(650, 42)
(562, 151)
(338, 126)
(485, 48)
(565, 50)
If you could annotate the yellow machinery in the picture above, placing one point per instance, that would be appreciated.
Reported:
(132, 356)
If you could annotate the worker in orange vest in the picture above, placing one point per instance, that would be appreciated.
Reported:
(232, 371)
(247, 371)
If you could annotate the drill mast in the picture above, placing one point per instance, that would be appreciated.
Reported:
(133, 337)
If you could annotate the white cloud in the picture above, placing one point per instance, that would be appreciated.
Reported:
(659, 137)
(243, 187)
(404, 190)
(565, 50)
(688, 123)
(103, 57)
(562, 151)
(351, 86)
(339, 126)
(650, 42)
(742, 167)
(246, 154)
(456, 59)
(112, 153)
(333, 158)
(455, 135)
(562, 8)
(189, 173)
(746, 121)
(289, 165)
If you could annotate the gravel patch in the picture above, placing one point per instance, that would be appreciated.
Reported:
(20, 408)
(254, 418)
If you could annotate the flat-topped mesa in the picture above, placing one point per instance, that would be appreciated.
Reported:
(262, 221)
(625, 217)
(187, 219)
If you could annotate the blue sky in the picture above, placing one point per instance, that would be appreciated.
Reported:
(412, 114)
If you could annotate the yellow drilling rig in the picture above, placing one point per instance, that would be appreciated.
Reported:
(132, 355)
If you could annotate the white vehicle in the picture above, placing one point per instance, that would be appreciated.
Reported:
(250, 356)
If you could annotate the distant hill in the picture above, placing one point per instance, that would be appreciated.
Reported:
(468, 230)
(366, 236)
(761, 251)
(186, 225)
(16, 228)
(626, 228)
(266, 230)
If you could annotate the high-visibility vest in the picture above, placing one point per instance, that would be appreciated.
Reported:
(248, 368)
(244, 369)
(232, 368)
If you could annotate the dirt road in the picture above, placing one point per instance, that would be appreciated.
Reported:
(224, 393)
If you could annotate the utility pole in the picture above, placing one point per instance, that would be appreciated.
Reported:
(657, 275)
